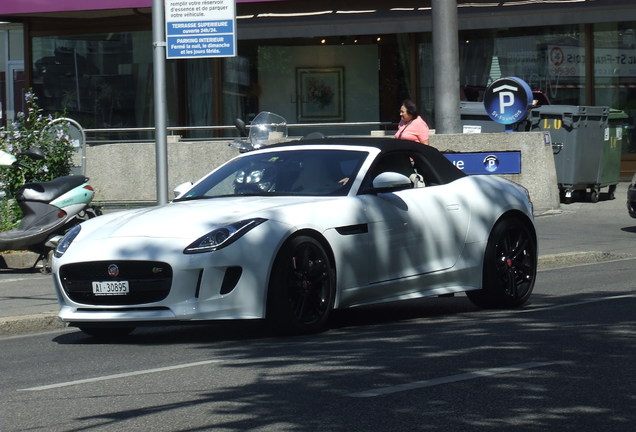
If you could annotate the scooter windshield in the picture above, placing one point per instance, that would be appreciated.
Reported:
(267, 128)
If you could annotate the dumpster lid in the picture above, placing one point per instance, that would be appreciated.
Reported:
(615, 114)
(570, 109)
(472, 108)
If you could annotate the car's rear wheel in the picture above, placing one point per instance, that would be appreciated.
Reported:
(510, 266)
(302, 287)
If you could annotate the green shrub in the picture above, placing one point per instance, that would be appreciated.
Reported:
(27, 131)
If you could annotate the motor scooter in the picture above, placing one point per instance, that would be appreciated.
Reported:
(49, 210)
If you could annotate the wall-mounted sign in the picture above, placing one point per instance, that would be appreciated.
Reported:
(507, 100)
(200, 28)
(487, 163)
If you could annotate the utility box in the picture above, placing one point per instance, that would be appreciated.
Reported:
(585, 157)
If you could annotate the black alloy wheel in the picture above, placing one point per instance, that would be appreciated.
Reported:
(510, 266)
(302, 287)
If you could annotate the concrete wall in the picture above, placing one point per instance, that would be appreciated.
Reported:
(124, 174)
(538, 172)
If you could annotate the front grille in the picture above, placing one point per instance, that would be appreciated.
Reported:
(149, 281)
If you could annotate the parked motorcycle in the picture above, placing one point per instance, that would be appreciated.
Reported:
(49, 209)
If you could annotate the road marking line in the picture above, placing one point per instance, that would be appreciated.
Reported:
(121, 375)
(450, 379)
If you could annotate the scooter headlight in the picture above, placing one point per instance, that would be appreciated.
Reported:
(66, 241)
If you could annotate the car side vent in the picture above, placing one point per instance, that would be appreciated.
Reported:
(231, 278)
(353, 229)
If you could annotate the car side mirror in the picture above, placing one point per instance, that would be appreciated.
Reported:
(181, 189)
(388, 181)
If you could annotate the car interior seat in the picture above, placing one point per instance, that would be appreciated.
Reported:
(401, 163)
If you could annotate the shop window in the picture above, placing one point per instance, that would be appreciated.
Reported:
(100, 80)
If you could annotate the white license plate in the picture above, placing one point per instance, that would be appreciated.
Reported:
(111, 288)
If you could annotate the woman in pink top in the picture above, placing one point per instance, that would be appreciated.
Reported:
(412, 127)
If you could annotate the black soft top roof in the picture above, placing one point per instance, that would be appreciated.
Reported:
(445, 170)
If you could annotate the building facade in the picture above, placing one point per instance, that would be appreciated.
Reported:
(358, 59)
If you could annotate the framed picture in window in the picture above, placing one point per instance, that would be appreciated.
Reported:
(320, 94)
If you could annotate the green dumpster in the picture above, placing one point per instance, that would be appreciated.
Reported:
(612, 149)
(584, 156)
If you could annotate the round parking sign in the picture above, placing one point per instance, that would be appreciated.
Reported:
(507, 100)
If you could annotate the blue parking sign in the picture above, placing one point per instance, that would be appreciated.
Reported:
(507, 100)
(200, 28)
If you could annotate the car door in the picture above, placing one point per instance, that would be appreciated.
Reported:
(414, 231)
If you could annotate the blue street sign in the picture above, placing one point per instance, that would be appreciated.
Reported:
(487, 163)
(200, 28)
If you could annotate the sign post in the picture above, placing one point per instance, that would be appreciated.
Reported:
(161, 106)
(200, 28)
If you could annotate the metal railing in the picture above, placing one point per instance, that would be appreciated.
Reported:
(143, 134)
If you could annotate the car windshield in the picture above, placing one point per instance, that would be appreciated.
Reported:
(315, 172)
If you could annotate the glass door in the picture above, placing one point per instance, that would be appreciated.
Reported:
(15, 89)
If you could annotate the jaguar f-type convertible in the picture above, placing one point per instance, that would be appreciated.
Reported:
(290, 232)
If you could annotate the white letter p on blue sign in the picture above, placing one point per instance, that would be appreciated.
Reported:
(506, 99)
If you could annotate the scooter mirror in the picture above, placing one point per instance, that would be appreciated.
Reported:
(33, 153)
(240, 125)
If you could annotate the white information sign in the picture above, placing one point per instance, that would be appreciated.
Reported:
(200, 28)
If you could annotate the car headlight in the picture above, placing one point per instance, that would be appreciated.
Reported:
(222, 236)
(66, 241)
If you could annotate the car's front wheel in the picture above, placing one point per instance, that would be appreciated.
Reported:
(510, 266)
(302, 287)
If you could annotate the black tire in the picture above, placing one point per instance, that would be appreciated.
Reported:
(46, 262)
(510, 266)
(302, 287)
(567, 196)
(594, 196)
(106, 332)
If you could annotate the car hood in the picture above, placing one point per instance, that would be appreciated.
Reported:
(191, 219)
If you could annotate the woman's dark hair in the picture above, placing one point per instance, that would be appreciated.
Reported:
(411, 108)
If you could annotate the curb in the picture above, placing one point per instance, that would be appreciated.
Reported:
(19, 260)
(30, 323)
(568, 259)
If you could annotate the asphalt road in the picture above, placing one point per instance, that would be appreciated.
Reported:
(565, 362)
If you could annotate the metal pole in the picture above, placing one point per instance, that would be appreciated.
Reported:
(159, 75)
(446, 66)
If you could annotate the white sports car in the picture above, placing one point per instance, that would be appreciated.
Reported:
(293, 231)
